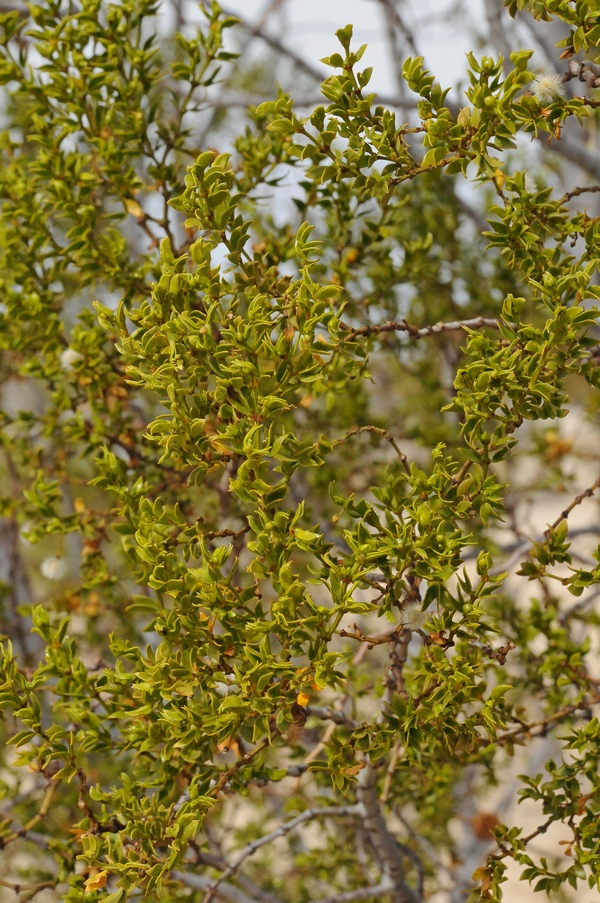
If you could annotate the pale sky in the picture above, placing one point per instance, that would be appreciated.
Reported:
(443, 34)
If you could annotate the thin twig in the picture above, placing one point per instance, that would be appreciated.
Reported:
(319, 747)
(399, 37)
(539, 728)
(226, 891)
(576, 192)
(29, 890)
(515, 557)
(36, 819)
(400, 24)
(281, 831)
(377, 431)
(579, 606)
(298, 61)
(586, 494)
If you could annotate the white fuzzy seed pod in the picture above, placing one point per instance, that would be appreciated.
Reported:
(547, 87)
(53, 568)
(68, 358)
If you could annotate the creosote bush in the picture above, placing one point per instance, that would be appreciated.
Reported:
(272, 415)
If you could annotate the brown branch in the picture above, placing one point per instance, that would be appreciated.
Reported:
(215, 534)
(82, 802)
(507, 851)
(586, 494)
(576, 192)
(539, 728)
(584, 70)
(357, 634)
(540, 830)
(459, 476)
(394, 680)
(419, 332)
(242, 761)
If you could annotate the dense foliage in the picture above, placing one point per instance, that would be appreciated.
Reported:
(270, 418)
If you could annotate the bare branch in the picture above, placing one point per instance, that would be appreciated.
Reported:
(363, 893)
(226, 891)
(398, 36)
(394, 49)
(493, 14)
(40, 840)
(586, 494)
(584, 70)
(327, 714)
(416, 332)
(258, 32)
(577, 191)
(41, 814)
(394, 16)
(399, 643)
(388, 851)
(540, 728)
(281, 831)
